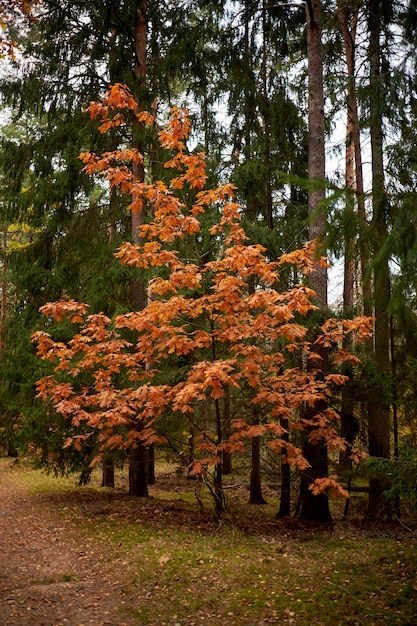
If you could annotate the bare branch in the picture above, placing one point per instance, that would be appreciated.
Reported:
(299, 5)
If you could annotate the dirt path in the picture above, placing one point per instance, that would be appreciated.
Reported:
(50, 575)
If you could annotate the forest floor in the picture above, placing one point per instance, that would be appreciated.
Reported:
(72, 556)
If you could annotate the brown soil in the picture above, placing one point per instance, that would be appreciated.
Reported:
(50, 575)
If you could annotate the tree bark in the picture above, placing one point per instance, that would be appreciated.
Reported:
(107, 476)
(218, 493)
(266, 114)
(285, 499)
(255, 485)
(150, 453)
(378, 402)
(227, 457)
(3, 315)
(347, 20)
(316, 145)
(316, 508)
(138, 474)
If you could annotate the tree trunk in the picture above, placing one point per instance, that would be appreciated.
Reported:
(150, 453)
(316, 146)
(316, 508)
(137, 285)
(227, 457)
(107, 476)
(353, 175)
(378, 402)
(3, 315)
(285, 500)
(349, 34)
(138, 470)
(255, 486)
(12, 451)
(218, 493)
(266, 114)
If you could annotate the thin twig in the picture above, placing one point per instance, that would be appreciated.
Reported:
(340, 587)
(278, 5)
(406, 527)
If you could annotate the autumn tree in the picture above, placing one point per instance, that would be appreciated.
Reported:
(112, 379)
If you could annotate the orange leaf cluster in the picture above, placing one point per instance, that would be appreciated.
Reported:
(243, 338)
(118, 98)
(10, 12)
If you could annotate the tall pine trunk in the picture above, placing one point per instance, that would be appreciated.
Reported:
(252, 204)
(347, 20)
(347, 17)
(378, 401)
(138, 456)
(313, 507)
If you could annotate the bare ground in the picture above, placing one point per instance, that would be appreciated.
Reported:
(50, 575)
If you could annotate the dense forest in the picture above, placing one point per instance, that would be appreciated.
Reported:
(185, 186)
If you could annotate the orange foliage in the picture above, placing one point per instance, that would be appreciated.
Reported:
(10, 12)
(240, 335)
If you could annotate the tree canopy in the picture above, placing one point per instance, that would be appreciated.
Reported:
(199, 229)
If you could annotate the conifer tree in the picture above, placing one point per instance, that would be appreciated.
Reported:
(75, 50)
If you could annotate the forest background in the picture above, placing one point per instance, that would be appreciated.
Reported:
(265, 84)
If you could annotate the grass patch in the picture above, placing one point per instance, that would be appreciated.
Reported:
(171, 564)
(50, 580)
(174, 577)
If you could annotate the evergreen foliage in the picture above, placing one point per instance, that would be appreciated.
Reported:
(241, 68)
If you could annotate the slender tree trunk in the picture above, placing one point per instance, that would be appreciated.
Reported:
(313, 507)
(3, 291)
(285, 499)
(364, 250)
(191, 452)
(347, 19)
(378, 402)
(138, 458)
(316, 145)
(12, 451)
(150, 453)
(251, 188)
(255, 485)
(349, 36)
(397, 501)
(227, 457)
(218, 493)
(107, 476)
(138, 472)
(348, 14)
(266, 114)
